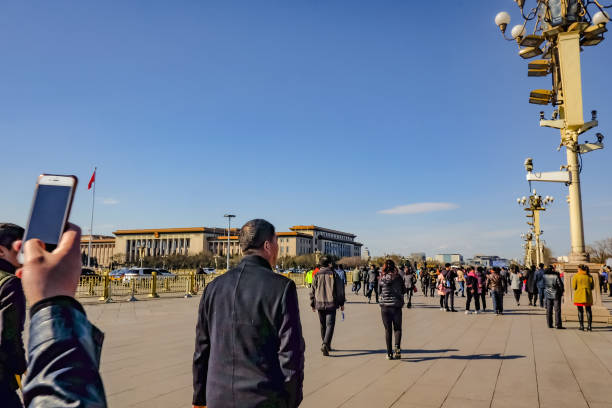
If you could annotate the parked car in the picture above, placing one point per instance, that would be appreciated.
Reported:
(90, 273)
(164, 273)
(117, 274)
(137, 273)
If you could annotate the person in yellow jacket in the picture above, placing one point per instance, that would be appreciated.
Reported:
(308, 278)
(582, 284)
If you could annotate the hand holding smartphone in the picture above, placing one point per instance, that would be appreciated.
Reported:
(53, 197)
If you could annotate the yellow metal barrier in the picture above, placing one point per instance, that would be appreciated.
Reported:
(153, 293)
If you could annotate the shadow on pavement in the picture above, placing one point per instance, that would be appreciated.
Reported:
(354, 353)
(495, 356)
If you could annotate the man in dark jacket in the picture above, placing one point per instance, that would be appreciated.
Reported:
(532, 289)
(364, 280)
(553, 291)
(372, 283)
(326, 296)
(64, 347)
(12, 317)
(539, 281)
(410, 283)
(249, 349)
(449, 288)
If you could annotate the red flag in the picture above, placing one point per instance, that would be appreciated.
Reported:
(91, 180)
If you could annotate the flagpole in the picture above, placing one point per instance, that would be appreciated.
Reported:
(93, 203)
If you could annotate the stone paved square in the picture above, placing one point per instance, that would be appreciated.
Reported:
(448, 360)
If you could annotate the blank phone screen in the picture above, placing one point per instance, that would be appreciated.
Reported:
(47, 219)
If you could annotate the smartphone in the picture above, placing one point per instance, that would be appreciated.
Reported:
(53, 196)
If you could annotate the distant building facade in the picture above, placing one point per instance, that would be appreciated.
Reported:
(128, 246)
(102, 248)
(454, 259)
(329, 241)
(488, 261)
(365, 254)
(417, 257)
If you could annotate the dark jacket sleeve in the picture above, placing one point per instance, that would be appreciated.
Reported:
(291, 348)
(12, 320)
(64, 357)
(340, 297)
(201, 355)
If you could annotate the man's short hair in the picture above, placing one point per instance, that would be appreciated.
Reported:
(325, 261)
(10, 233)
(254, 234)
(541, 266)
(447, 265)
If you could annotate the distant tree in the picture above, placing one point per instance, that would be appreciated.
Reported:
(352, 261)
(600, 251)
(547, 255)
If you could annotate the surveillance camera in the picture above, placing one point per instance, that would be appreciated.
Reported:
(593, 115)
(600, 137)
(529, 165)
(541, 115)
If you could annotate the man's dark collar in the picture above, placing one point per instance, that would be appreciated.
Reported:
(6, 266)
(256, 259)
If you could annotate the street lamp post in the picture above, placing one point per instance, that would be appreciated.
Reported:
(533, 205)
(563, 28)
(229, 227)
(528, 245)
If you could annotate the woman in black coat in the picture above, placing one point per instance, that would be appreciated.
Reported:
(391, 291)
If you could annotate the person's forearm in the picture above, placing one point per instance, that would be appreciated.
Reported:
(63, 356)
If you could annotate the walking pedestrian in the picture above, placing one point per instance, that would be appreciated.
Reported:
(424, 281)
(582, 284)
(364, 280)
(603, 280)
(249, 348)
(308, 278)
(410, 283)
(440, 289)
(392, 289)
(553, 291)
(356, 280)
(471, 282)
(482, 287)
(449, 287)
(326, 296)
(609, 270)
(497, 285)
(372, 283)
(12, 317)
(532, 289)
(461, 282)
(433, 281)
(539, 281)
(341, 274)
(516, 284)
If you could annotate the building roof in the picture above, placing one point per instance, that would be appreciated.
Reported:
(293, 234)
(97, 239)
(171, 230)
(315, 228)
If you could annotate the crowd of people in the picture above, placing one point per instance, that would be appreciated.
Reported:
(249, 346)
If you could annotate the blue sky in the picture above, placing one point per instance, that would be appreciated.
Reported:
(305, 112)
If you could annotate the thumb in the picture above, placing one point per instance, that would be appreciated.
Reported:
(34, 251)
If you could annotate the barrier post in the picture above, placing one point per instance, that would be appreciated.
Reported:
(132, 298)
(187, 289)
(105, 290)
(192, 284)
(167, 285)
(153, 293)
(91, 286)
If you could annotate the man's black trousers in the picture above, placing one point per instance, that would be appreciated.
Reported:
(327, 319)
(556, 305)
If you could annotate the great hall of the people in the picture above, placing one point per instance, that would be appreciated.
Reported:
(129, 245)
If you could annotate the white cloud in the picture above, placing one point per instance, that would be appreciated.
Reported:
(110, 201)
(418, 208)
